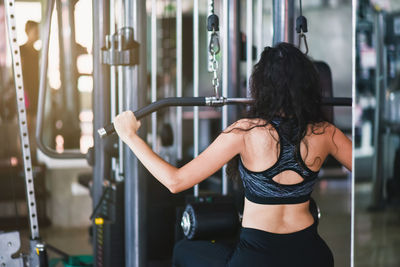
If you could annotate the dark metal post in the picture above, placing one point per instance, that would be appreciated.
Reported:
(380, 80)
(234, 89)
(101, 102)
(135, 181)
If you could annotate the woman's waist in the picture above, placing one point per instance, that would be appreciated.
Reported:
(280, 219)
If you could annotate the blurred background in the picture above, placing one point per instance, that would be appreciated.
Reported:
(376, 134)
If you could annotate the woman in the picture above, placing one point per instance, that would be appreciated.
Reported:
(280, 147)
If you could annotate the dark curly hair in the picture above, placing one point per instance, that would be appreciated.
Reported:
(285, 83)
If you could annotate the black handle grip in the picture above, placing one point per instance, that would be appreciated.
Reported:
(106, 130)
(165, 102)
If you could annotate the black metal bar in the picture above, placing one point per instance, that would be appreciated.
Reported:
(326, 101)
(165, 102)
(101, 115)
(170, 102)
(337, 101)
(208, 101)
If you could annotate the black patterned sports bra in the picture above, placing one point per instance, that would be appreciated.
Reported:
(259, 187)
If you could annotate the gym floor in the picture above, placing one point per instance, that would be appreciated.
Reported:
(377, 233)
(333, 197)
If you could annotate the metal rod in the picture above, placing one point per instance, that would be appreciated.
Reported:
(377, 174)
(249, 43)
(179, 78)
(283, 21)
(121, 109)
(123, 86)
(22, 117)
(225, 33)
(352, 193)
(196, 84)
(259, 25)
(113, 87)
(234, 52)
(135, 16)
(154, 71)
(101, 114)
(113, 69)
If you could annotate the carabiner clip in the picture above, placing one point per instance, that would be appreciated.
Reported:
(214, 47)
(303, 36)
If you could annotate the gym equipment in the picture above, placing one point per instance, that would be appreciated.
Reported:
(35, 258)
(301, 28)
(9, 245)
(209, 219)
(206, 101)
(22, 119)
(314, 210)
(10, 242)
(206, 218)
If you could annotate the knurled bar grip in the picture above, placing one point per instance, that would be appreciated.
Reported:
(23, 128)
(207, 101)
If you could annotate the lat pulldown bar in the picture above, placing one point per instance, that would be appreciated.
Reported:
(207, 101)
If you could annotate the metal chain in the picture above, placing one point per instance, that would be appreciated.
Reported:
(22, 120)
(212, 6)
(302, 28)
(214, 50)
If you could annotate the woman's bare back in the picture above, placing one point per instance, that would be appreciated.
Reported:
(261, 151)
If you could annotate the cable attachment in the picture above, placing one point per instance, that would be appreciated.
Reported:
(303, 36)
(214, 46)
(301, 28)
(213, 23)
(301, 24)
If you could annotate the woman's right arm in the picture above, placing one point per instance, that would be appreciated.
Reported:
(340, 146)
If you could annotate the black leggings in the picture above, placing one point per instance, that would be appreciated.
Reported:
(304, 248)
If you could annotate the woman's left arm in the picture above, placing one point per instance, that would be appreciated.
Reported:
(224, 148)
